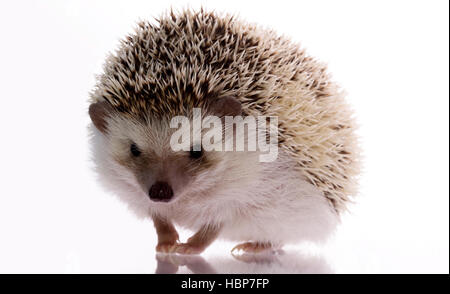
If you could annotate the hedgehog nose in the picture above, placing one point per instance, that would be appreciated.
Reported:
(160, 192)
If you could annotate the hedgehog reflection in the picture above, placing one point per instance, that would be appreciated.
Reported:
(247, 263)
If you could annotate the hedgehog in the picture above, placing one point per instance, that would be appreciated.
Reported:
(225, 67)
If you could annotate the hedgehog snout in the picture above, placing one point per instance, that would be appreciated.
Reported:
(160, 192)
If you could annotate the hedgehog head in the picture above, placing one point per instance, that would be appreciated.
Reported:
(139, 151)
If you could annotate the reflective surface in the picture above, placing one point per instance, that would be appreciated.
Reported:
(265, 263)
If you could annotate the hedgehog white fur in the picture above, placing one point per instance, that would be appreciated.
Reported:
(194, 59)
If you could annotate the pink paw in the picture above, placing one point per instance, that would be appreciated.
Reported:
(166, 247)
(252, 247)
(187, 248)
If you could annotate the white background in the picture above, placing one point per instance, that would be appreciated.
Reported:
(390, 56)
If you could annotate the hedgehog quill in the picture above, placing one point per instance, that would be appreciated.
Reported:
(226, 68)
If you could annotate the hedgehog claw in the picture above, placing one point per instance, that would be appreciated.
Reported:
(187, 248)
(166, 247)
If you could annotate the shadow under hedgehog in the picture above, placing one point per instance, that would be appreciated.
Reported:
(225, 67)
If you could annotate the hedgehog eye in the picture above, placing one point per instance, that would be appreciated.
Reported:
(196, 154)
(135, 150)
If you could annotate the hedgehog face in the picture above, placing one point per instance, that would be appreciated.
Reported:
(142, 154)
(141, 148)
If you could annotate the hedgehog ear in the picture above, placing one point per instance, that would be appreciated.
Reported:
(99, 112)
(226, 106)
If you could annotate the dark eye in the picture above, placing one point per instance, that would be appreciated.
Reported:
(196, 154)
(135, 150)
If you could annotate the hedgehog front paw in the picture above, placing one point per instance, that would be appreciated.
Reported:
(166, 247)
(189, 248)
(253, 248)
